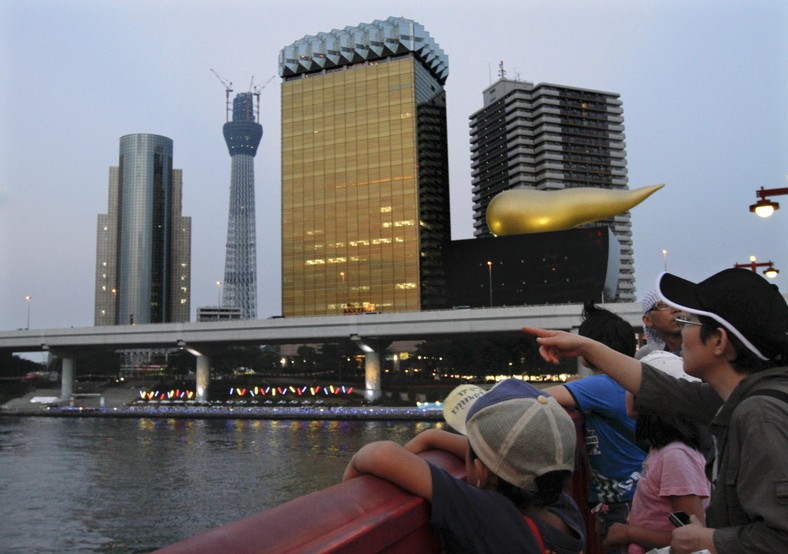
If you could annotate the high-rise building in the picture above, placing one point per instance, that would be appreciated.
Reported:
(143, 244)
(242, 135)
(365, 189)
(551, 137)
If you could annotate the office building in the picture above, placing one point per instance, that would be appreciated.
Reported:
(242, 135)
(365, 191)
(143, 244)
(551, 137)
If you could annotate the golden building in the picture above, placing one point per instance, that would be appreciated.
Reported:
(365, 192)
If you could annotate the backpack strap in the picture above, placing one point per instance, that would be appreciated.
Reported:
(537, 534)
(778, 394)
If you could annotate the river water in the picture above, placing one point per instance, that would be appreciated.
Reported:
(134, 485)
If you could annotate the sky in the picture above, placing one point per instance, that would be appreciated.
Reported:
(704, 86)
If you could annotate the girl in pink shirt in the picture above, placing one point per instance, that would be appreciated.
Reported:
(673, 480)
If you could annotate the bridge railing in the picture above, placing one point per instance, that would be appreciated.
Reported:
(365, 514)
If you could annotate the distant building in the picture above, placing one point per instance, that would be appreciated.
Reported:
(218, 313)
(365, 181)
(551, 137)
(561, 267)
(242, 135)
(143, 244)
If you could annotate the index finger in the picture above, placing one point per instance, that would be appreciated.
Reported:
(538, 332)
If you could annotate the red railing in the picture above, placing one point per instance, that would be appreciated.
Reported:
(365, 514)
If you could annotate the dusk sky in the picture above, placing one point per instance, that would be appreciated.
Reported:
(704, 86)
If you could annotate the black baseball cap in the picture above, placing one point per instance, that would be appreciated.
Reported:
(740, 300)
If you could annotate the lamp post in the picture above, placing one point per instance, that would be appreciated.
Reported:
(28, 299)
(665, 259)
(489, 271)
(771, 272)
(219, 294)
(765, 207)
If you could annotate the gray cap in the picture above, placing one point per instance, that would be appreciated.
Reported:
(520, 433)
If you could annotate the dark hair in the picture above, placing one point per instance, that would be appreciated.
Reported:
(659, 431)
(745, 361)
(608, 328)
(548, 488)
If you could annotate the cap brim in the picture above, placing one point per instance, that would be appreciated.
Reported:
(679, 293)
(684, 295)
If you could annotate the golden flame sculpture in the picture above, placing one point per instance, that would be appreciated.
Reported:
(521, 211)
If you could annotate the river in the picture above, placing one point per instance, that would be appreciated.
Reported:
(133, 485)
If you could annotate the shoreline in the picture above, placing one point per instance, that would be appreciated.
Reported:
(362, 413)
(120, 403)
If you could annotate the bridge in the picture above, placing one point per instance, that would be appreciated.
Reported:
(371, 332)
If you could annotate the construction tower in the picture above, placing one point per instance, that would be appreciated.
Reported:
(242, 135)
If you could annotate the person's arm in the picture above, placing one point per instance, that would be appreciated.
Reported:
(692, 538)
(390, 461)
(437, 439)
(562, 396)
(621, 534)
(555, 345)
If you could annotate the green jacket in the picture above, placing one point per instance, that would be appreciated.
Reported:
(749, 500)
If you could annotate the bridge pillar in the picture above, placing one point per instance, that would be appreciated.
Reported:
(67, 378)
(202, 377)
(372, 376)
(373, 364)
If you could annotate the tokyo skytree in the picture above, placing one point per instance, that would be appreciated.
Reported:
(242, 135)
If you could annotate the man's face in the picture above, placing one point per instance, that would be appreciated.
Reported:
(662, 318)
(698, 354)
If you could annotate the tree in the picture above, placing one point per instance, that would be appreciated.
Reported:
(12, 365)
(307, 358)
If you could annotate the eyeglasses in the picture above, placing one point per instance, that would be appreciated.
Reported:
(660, 306)
(683, 321)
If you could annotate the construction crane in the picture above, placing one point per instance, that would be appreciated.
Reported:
(228, 88)
(256, 90)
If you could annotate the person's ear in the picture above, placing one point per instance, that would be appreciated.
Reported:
(723, 345)
(646, 320)
(482, 473)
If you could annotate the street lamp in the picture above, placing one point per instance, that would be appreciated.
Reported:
(665, 258)
(765, 207)
(28, 299)
(489, 271)
(771, 272)
(219, 294)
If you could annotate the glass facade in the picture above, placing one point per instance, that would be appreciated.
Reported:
(143, 253)
(365, 205)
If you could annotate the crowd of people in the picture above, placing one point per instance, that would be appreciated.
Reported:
(685, 440)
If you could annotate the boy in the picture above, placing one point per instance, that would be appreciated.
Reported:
(615, 457)
(519, 449)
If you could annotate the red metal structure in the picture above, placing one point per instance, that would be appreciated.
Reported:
(365, 514)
